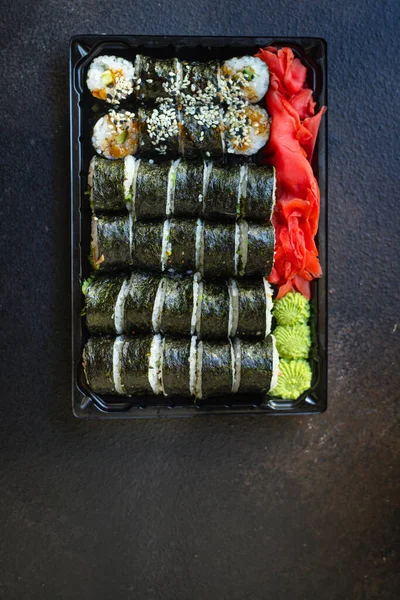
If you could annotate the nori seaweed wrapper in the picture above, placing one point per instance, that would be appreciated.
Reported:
(214, 311)
(135, 357)
(148, 144)
(178, 306)
(201, 137)
(139, 302)
(108, 192)
(176, 367)
(98, 364)
(147, 245)
(259, 201)
(251, 302)
(219, 250)
(188, 197)
(101, 297)
(222, 192)
(204, 76)
(113, 236)
(260, 253)
(182, 238)
(151, 190)
(155, 78)
(217, 376)
(256, 366)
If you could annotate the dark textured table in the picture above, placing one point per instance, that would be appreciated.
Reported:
(203, 508)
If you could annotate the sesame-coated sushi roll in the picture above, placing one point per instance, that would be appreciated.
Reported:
(248, 77)
(200, 82)
(110, 78)
(246, 129)
(159, 130)
(202, 130)
(116, 134)
(157, 78)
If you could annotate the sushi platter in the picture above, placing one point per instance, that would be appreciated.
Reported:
(198, 216)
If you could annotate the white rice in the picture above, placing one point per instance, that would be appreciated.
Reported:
(179, 74)
(242, 187)
(197, 300)
(275, 365)
(95, 242)
(117, 360)
(134, 181)
(166, 245)
(131, 235)
(200, 246)
(155, 364)
(129, 171)
(274, 189)
(119, 309)
(206, 180)
(233, 308)
(158, 306)
(198, 389)
(233, 366)
(193, 365)
(238, 364)
(269, 304)
(255, 89)
(137, 64)
(122, 86)
(243, 245)
(171, 187)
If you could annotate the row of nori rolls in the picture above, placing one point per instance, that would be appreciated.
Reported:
(178, 305)
(148, 365)
(182, 188)
(182, 246)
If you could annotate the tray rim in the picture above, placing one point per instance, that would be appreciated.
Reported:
(85, 407)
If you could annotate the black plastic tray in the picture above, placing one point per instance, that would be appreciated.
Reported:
(83, 49)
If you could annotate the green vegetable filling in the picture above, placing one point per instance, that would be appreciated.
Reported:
(292, 309)
(85, 285)
(248, 73)
(294, 379)
(293, 341)
(121, 138)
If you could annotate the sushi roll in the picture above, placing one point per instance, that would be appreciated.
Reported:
(246, 129)
(148, 245)
(102, 295)
(258, 196)
(202, 130)
(179, 245)
(188, 189)
(110, 183)
(159, 129)
(116, 134)
(139, 303)
(245, 78)
(214, 311)
(215, 369)
(258, 365)
(200, 82)
(219, 250)
(111, 242)
(98, 364)
(252, 309)
(156, 78)
(110, 78)
(260, 249)
(150, 201)
(177, 310)
(135, 355)
(176, 367)
(223, 192)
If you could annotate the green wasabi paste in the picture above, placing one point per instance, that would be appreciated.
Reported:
(293, 341)
(294, 379)
(292, 309)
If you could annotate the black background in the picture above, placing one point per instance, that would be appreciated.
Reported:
(227, 508)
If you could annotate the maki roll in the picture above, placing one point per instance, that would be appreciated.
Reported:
(214, 311)
(134, 361)
(223, 192)
(258, 365)
(246, 129)
(260, 249)
(150, 198)
(116, 134)
(245, 78)
(110, 183)
(179, 245)
(157, 78)
(99, 364)
(219, 249)
(201, 82)
(177, 309)
(259, 198)
(110, 78)
(176, 367)
(111, 242)
(202, 130)
(215, 369)
(252, 309)
(188, 189)
(147, 245)
(102, 296)
(140, 302)
(159, 130)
